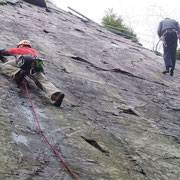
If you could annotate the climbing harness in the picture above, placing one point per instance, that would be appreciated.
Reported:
(164, 35)
(51, 146)
(162, 38)
(30, 64)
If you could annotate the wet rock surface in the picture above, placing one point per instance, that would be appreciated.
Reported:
(120, 118)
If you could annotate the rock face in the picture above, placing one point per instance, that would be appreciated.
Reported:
(120, 118)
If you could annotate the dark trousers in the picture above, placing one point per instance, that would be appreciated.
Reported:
(170, 47)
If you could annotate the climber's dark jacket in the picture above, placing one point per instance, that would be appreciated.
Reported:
(167, 24)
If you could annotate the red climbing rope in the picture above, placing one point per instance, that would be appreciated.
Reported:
(70, 171)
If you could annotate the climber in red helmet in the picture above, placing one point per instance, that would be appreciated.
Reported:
(28, 63)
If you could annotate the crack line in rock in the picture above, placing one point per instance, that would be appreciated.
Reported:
(116, 70)
(95, 145)
(128, 111)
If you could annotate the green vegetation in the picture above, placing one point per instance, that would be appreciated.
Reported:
(178, 54)
(115, 24)
(2, 2)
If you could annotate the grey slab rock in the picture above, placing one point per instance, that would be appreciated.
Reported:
(120, 118)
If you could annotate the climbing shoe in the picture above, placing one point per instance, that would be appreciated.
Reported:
(20, 76)
(171, 73)
(166, 71)
(59, 99)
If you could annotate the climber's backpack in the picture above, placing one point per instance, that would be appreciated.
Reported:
(30, 63)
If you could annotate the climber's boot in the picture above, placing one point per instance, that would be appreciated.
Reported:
(165, 71)
(171, 72)
(58, 98)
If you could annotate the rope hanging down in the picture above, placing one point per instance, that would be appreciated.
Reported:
(63, 162)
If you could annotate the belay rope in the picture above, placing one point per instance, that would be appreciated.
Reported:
(63, 162)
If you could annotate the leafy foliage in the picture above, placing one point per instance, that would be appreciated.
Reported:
(115, 24)
(178, 54)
